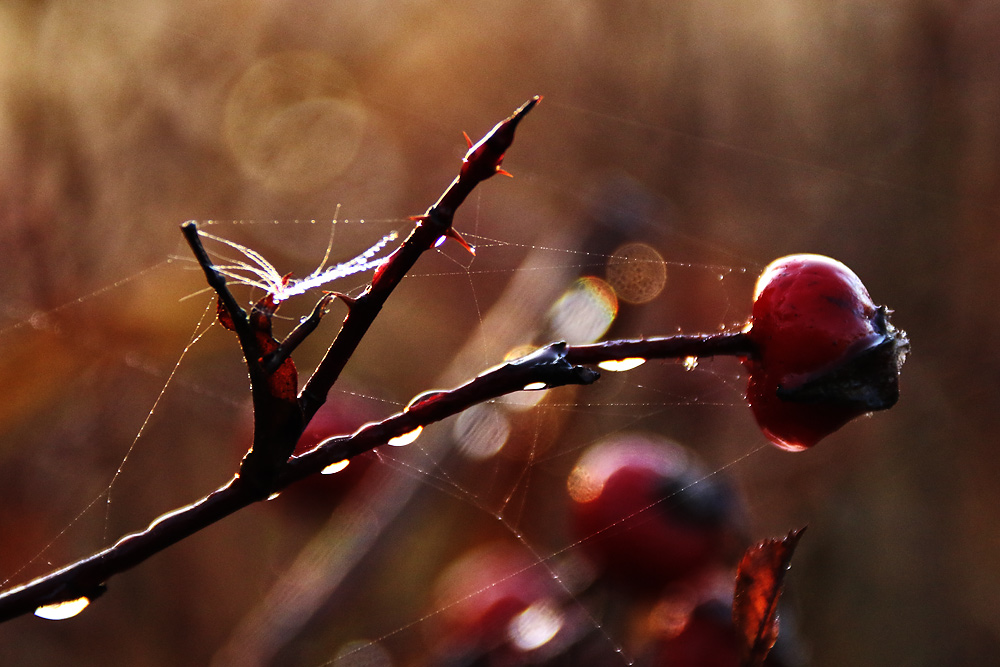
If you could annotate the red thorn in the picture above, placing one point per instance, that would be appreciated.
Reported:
(504, 172)
(451, 233)
(467, 139)
(349, 301)
(418, 218)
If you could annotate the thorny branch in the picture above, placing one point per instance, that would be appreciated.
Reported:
(280, 415)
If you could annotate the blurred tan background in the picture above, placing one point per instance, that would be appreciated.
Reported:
(722, 134)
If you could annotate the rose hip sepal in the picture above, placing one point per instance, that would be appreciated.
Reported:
(825, 353)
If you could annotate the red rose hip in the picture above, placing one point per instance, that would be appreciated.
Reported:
(824, 352)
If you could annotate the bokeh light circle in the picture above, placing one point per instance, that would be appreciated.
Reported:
(294, 121)
(637, 273)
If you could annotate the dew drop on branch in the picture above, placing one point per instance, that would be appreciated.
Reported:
(406, 438)
(62, 610)
(619, 365)
(335, 467)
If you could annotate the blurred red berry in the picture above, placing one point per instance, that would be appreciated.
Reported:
(648, 515)
(341, 415)
(707, 637)
(498, 606)
(825, 353)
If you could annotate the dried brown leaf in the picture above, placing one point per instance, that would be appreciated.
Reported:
(759, 581)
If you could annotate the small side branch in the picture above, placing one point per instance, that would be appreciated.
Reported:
(272, 361)
(217, 281)
(732, 344)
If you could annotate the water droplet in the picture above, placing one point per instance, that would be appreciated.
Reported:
(690, 363)
(440, 241)
(421, 398)
(274, 495)
(335, 467)
(620, 365)
(534, 386)
(62, 610)
(406, 438)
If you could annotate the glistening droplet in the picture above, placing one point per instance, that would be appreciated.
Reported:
(335, 467)
(62, 610)
(406, 438)
(690, 363)
(619, 365)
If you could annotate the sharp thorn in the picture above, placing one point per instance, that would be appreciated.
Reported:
(349, 301)
(451, 233)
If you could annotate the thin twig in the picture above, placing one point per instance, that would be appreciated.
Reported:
(735, 344)
(272, 361)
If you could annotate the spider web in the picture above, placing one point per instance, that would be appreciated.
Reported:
(501, 481)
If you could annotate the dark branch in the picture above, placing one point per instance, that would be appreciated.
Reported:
(280, 416)
(731, 344)
(217, 281)
(86, 578)
(551, 366)
(277, 418)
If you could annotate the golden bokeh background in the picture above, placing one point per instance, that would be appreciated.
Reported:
(718, 135)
